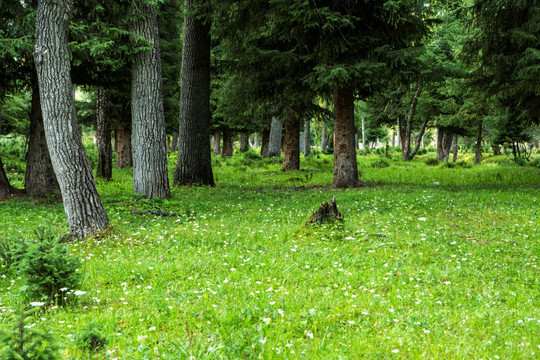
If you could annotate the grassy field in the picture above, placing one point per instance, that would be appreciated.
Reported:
(429, 262)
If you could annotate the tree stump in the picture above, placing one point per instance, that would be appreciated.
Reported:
(326, 213)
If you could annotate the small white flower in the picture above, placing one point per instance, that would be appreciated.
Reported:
(153, 328)
(309, 334)
(422, 219)
(37, 303)
(267, 320)
(79, 292)
(395, 351)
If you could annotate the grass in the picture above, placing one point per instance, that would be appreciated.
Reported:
(416, 270)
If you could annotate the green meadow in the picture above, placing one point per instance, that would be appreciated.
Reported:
(437, 262)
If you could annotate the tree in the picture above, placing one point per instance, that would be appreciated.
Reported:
(194, 164)
(103, 133)
(85, 213)
(148, 134)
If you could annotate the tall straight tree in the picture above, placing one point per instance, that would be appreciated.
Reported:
(194, 164)
(103, 133)
(82, 204)
(148, 134)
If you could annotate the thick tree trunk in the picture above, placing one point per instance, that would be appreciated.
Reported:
(103, 134)
(85, 213)
(216, 147)
(291, 159)
(244, 142)
(454, 147)
(124, 156)
(345, 166)
(194, 164)
(40, 178)
(478, 154)
(274, 149)
(447, 144)
(307, 137)
(148, 138)
(227, 150)
(265, 143)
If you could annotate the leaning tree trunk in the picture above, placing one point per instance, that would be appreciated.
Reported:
(40, 178)
(148, 138)
(103, 134)
(244, 142)
(194, 165)
(265, 143)
(478, 154)
(291, 159)
(227, 150)
(216, 148)
(307, 137)
(345, 167)
(406, 143)
(85, 213)
(274, 146)
(124, 157)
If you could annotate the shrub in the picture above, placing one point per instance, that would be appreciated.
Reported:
(380, 163)
(535, 162)
(432, 162)
(91, 338)
(464, 164)
(422, 151)
(449, 165)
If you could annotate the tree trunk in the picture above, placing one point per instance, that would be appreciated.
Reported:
(103, 134)
(274, 146)
(265, 143)
(418, 139)
(302, 141)
(216, 147)
(323, 136)
(345, 167)
(148, 138)
(406, 135)
(440, 148)
(454, 147)
(363, 133)
(244, 142)
(496, 150)
(39, 178)
(227, 150)
(478, 154)
(255, 140)
(174, 142)
(194, 164)
(124, 157)
(447, 144)
(85, 213)
(291, 159)
(307, 137)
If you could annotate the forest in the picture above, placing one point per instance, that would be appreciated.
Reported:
(166, 168)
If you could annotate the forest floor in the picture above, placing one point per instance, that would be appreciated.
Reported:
(429, 262)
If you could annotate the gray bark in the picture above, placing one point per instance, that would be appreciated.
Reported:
(307, 137)
(265, 143)
(323, 136)
(244, 142)
(148, 132)
(103, 134)
(174, 142)
(216, 143)
(363, 133)
(85, 213)
(274, 145)
(194, 165)
(478, 154)
(124, 155)
(39, 177)
(454, 148)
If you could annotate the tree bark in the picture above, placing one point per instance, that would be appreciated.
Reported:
(227, 150)
(124, 156)
(418, 139)
(244, 142)
(216, 148)
(291, 160)
(274, 146)
(440, 147)
(454, 147)
(194, 165)
(307, 137)
(174, 142)
(85, 213)
(323, 136)
(40, 178)
(103, 134)
(406, 135)
(345, 166)
(148, 138)
(478, 154)
(265, 143)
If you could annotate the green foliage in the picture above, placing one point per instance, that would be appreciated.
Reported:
(432, 162)
(91, 338)
(26, 338)
(51, 273)
(380, 164)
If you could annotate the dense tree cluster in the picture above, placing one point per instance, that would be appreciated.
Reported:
(280, 74)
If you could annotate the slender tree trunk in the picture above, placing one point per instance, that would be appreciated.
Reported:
(40, 178)
(302, 141)
(393, 141)
(323, 135)
(418, 139)
(274, 147)
(363, 132)
(454, 147)
(103, 134)
(244, 142)
(447, 144)
(406, 136)
(148, 138)
(291, 160)
(307, 138)
(478, 154)
(85, 213)
(194, 164)
(265, 143)
(345, 167)
(124, 157)
(216, 147)
(496, 150)
(174, 142)
(256, 140)
(440, 147)
(227, 150)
